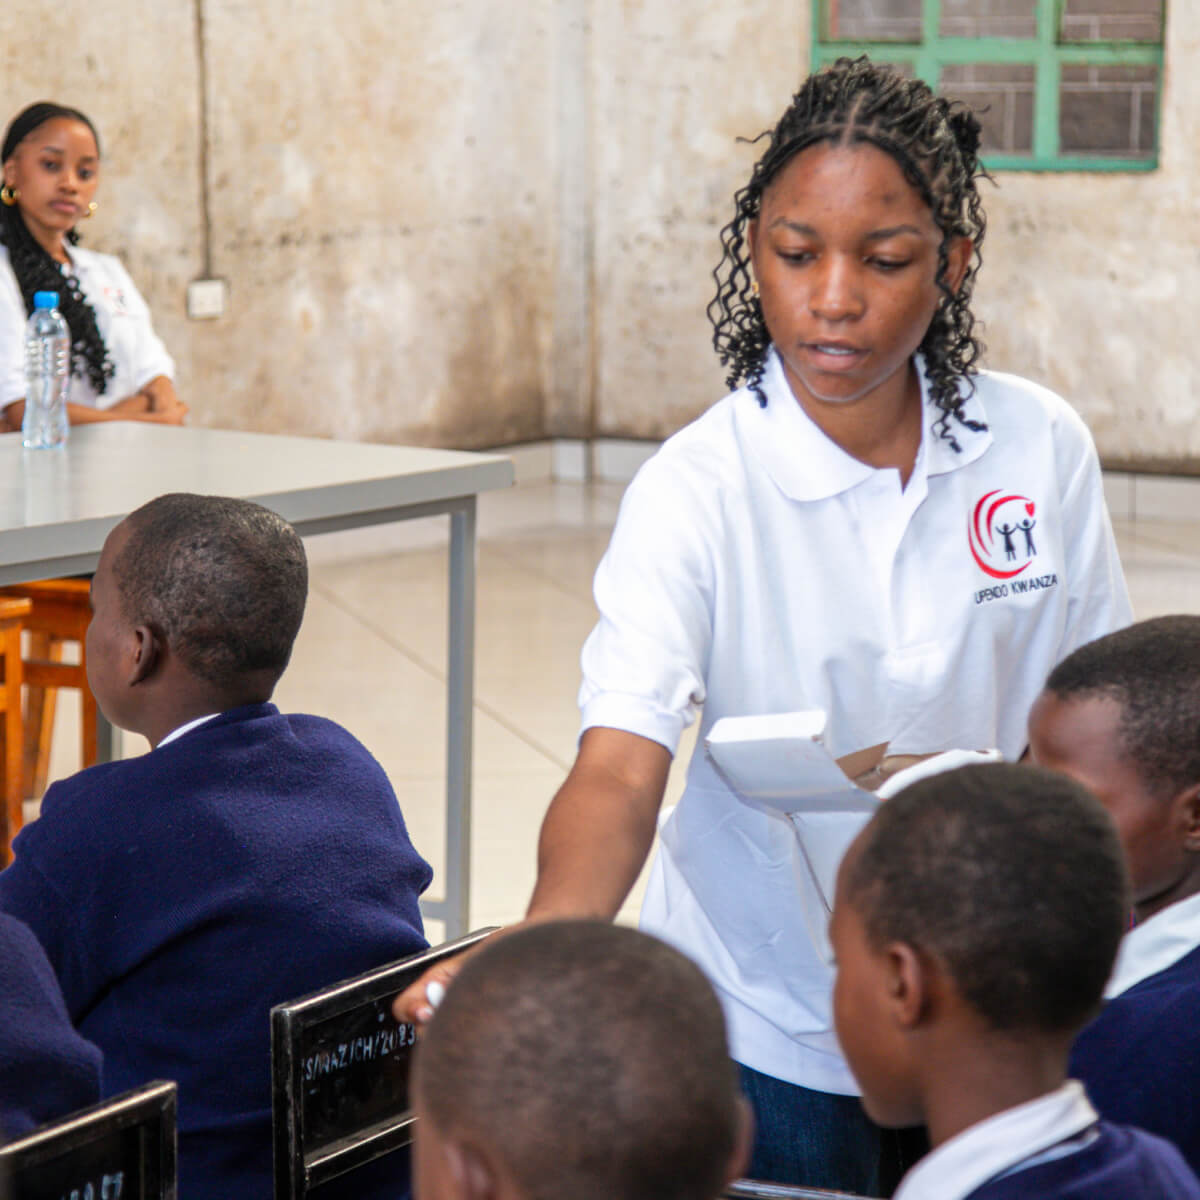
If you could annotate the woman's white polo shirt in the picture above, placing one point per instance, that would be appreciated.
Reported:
(757, 568)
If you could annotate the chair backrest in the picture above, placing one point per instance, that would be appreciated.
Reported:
(755, 1189)
(123, 1149)
(339, 1073)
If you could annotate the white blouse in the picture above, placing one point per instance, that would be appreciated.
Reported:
(122, 318)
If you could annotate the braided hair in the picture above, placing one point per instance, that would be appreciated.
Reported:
(37, 271)
(935, 142)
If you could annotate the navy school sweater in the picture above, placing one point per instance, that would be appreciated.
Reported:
(46, 1069)
(1119, 1164)
(1140, 1058)
(181, 894)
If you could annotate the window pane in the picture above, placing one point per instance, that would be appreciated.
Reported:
(1112, 20)
(989, 18)
(1108, 110)
(1002, 97)
(874, 20)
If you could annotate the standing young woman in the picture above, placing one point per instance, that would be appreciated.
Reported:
(119, 368)
(824, 537)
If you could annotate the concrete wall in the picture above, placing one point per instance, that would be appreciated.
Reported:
(470, 224)
(380, 196)
(1090, 283)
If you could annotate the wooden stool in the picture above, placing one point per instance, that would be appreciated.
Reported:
(13, 613)
(60, 614)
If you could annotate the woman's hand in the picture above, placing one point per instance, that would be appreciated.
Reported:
(594, 840)
(132, 407)
(157, 402)
(417, 1002)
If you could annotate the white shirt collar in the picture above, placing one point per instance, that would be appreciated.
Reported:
(807, 465)
(1155, 945)
(992, 1147)
(178, 733)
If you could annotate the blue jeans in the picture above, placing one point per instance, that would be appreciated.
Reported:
(812, 1139)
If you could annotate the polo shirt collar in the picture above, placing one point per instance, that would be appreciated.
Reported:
(805, 464)
(994, 1147)
(1155, 945)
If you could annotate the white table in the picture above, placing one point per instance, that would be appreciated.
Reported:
(57, 507)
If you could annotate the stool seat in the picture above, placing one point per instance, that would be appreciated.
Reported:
(60, 612)
(13, 613)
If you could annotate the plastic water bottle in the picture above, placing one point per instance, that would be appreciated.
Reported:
(47, 374)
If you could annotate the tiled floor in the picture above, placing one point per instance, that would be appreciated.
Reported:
(371, 655)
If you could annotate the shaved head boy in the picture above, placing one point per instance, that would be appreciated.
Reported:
(581, 1059)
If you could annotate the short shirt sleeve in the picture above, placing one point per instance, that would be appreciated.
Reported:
(644, 663)
(12, 335)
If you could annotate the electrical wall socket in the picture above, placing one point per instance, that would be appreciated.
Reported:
(206, 299)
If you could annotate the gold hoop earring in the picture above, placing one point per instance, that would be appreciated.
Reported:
(754, 288)
(8, 195)
(91, 209)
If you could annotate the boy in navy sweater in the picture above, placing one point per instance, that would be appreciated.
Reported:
(46, 1069)
(1122, 716)
(976, 920)
(577, 1060)
(249, 858)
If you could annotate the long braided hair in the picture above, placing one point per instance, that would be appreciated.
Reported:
(36, 270)
(935, 142)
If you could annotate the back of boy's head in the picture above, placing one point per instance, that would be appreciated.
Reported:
(1011, 877)
(1152, 671)
(222, 581)
(591, 1059)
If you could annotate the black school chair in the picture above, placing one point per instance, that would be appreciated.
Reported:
(339, 1073)
(122, 1148)
(754, 1189)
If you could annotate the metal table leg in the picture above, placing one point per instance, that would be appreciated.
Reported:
(460, 683)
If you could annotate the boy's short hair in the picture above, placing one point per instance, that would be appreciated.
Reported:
(224, 581)
(1012, 877)
(1152, 671)
(592, 1059)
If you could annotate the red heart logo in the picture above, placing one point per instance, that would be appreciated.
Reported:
(1029, 507)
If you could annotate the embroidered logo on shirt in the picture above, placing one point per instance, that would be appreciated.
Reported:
(1000, 533)
(115, 299)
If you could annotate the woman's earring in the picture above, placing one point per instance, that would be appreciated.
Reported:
(91, 209)
(8, 195)
(754, 288)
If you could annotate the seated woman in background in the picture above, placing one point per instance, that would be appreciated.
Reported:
(119, 368)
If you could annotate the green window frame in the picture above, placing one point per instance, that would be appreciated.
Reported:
(1046, 53)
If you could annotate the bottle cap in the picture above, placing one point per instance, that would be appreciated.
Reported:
(45, 299)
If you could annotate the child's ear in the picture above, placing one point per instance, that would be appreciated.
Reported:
(147, 654)
(473, 1177)
(908, 984)
(1187, 805)
(739, 1161)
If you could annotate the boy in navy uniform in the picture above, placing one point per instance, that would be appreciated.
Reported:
(1122, 716)
(46, 1069)
(577, 1059)
(976, 921)
(249, 858)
